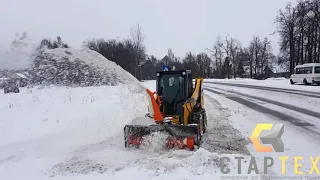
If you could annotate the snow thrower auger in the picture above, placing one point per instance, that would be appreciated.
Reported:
(177, 110)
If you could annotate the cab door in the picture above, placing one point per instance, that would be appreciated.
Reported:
(316, 74)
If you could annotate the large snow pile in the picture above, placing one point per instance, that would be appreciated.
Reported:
(84, 67)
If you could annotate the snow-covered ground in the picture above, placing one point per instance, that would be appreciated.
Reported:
(77, 133)
(271, 82)
(40, 127)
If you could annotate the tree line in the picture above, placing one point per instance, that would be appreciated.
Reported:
(227, 58)
(298, 27)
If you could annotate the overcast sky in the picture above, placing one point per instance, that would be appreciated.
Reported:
(182, 25)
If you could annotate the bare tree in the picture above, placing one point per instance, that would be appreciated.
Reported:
(218, 54)
(234, 48)
(266, 55)
(250, 52)
(287, 20)
(138, 39)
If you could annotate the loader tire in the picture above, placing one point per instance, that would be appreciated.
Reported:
(204, 121)
(199, 116)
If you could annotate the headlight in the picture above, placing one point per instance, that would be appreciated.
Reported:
(158, 74)
(183, 73)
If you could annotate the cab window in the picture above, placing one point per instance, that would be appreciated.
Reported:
(317, 69)
(172, 88)
(299, 71)
(308, 70)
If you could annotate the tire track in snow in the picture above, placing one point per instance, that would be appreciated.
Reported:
(221, 136)
(274, 89)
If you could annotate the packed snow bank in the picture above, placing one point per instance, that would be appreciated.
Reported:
(252, 81)
(85, 67)
(270, 82)
(280, 78)
(150, 84)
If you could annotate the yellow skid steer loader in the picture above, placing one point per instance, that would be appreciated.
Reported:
(177, 110)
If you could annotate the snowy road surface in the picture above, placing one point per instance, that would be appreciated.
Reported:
(297, 109)
(77, 133)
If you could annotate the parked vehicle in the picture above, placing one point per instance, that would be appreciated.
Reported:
(307, 74)
(11, 86)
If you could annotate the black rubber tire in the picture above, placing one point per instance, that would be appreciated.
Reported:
(291, 82)
(305, 82)
(199, 117)
(204, 121)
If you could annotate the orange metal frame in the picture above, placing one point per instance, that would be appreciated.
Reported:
(158, 117)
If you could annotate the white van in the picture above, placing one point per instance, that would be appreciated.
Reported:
(308, 73)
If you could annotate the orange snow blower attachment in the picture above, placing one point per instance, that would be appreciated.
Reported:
(177, 113)
(177, 136)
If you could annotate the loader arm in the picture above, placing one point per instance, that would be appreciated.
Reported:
(197, 97)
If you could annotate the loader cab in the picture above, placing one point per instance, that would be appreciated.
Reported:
(174, 88)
